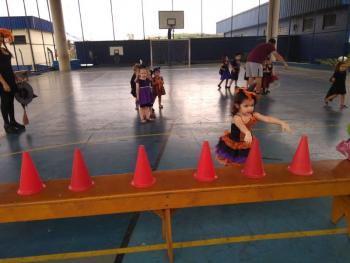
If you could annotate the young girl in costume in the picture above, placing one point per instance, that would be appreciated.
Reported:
(233, 147)
(144, 94)
(158, 86)
(224, 72)
(267, 75)
(8, 85)
(235, 68)
(338, 85)
(133, 79)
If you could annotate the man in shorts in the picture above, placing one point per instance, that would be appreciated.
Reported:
(254, 67)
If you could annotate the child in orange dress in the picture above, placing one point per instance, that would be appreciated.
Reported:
(158, 86)
(233, 147)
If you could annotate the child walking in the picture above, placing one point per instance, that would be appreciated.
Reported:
(133, 79)
(338, 85)
(144, 95)
(267, 75)
(224, 72)
(235, 69)
(233, 147)
(158, 86)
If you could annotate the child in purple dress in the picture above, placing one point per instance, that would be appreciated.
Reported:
(144, 95)
(224, 73)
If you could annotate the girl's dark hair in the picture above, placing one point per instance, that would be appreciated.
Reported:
(155, 70)
(272, 41)
(339, 64)
(238, 100)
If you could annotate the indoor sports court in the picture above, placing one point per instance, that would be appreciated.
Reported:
(88, 181)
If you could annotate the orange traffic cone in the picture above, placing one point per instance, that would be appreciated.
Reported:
(30, 182)
(143, 173)
(205, 170)
(301, 164)
(254, 166)
(81, 179)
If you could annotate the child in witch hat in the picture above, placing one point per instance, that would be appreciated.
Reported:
(338, 87)
(235, 69)
(134, 77)
(233, 147)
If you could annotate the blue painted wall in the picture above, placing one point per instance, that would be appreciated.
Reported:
(97, 52)
(299, 48)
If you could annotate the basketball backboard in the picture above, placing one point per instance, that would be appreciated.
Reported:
(171, 19)
(116, 50)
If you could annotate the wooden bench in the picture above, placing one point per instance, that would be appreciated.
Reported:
(178, 189)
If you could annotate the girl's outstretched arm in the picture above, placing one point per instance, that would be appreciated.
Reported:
(241, 126)
(273, 120)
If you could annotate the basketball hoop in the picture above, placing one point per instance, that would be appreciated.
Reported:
(171, 20)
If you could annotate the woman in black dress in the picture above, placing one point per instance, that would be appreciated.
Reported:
(8, 86)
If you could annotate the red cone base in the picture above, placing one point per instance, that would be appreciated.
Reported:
(81, 179)
(143, 177)
(254, 166)
(205, 171)
(301, 163)
(30, 182)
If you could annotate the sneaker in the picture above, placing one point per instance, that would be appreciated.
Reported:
(343, 106)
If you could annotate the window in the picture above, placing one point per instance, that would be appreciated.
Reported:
(329, 20)
(308, 24)
(21, 39)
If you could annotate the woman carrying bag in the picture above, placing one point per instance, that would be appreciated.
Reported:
(8, 86)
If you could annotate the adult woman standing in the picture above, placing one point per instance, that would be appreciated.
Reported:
(8, 86)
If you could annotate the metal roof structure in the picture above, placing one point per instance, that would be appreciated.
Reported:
(288, 8)
(24, 22)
